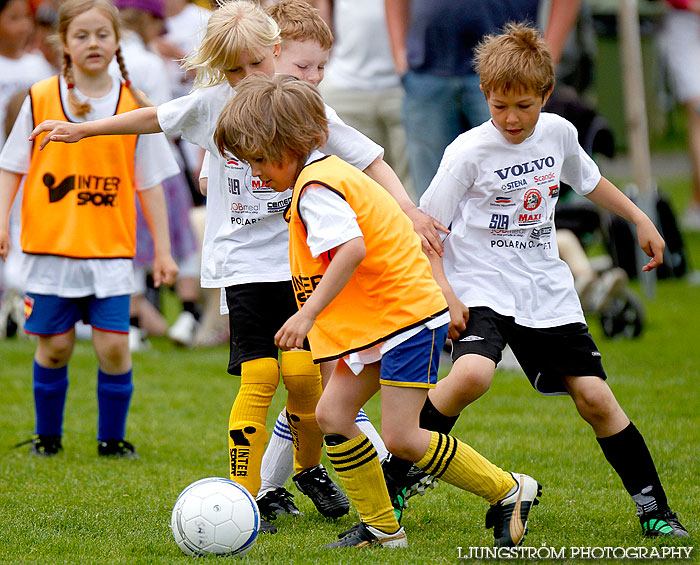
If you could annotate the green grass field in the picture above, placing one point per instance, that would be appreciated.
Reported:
(76, 508)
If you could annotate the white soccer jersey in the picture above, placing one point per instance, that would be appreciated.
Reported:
(498, 199)
(245, 236)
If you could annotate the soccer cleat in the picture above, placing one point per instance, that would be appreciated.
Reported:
(182, 332)
(275, 502)
(508, 517)
(329, 500)
(116, 448)
(418, 482)
(43, 446)
(398, 501)
(664, 523)
(364, 535)
(266, 527)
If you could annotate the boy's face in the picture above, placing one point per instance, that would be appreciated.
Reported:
(304, 60)
(515, 112)
(278, 176)
(248, 64)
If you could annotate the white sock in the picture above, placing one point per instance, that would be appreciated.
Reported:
(278, 461)
(367, 428)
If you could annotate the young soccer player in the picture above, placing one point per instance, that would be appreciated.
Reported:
(305, 43)
(78, 222)
(497, 187)
(367, 298)
(245, 247)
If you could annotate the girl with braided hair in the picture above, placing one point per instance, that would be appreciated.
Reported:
(78, 223)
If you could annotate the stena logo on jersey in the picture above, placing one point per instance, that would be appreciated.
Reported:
(91, 189)
(534, 166)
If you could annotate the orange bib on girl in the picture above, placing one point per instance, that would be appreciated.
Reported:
(79, 197)
(392, 289)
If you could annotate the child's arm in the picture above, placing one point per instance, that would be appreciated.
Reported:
(347, 257)
(9, 184)
(607, 195)
(459, 313)
(153, 204)
(141, 120)
(425, 226)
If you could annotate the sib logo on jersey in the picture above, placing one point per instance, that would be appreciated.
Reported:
(498, 222)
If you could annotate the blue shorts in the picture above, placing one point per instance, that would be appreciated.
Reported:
(48, 314)
(414, 363)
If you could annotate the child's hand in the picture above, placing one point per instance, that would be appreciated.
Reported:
(427, 229)
(652, 244)
(4, 244)
(164, 270)
(459, 316)
(293, 333)
(58, 131)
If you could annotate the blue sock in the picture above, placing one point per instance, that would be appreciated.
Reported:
(113, 397)
(50, 387)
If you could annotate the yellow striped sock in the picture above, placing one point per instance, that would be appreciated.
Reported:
(455, 462)
(357, 465)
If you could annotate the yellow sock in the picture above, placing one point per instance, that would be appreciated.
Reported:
(247, 431)
(302, 378)
(455, 462)
(356, 462)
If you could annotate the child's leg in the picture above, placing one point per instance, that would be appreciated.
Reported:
(469, 378)
(114, 384)
(352, 455)
(247, 432)
(50, 377)
(302, 380)
(625, 449)
(278, 460)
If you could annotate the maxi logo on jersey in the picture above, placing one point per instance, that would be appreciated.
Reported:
(92, 189)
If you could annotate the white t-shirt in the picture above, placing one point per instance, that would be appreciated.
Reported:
(62, 276)
(330, 221)
(245, 236)
(186, 30)
(147, 70)
(361, 58)
(498, 199)
(19, 74)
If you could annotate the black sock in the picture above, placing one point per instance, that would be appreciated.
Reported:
(627, 452)
(134, 321)
(434, 420)
(192, 308)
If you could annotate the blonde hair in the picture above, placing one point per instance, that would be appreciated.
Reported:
(517, 59)
(299, 21)
(67, 12)
(270, 118)
(234, 27)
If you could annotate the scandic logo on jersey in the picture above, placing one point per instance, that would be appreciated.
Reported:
(99, 191)
(304, 286)
(524, 168)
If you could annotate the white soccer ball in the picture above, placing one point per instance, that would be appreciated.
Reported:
(215, 516)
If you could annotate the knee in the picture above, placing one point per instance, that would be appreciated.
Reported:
(333, 419)
(468, 385)
(401, 444)
(595, 403)
(55, 353)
